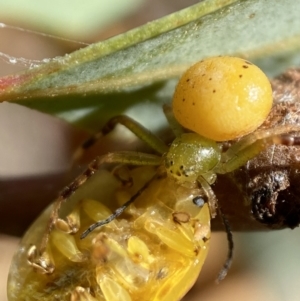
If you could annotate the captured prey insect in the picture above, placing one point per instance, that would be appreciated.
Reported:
(147, 232)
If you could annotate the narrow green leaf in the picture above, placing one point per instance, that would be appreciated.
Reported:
(142, 60)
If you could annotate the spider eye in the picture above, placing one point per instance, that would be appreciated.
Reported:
(222, 98)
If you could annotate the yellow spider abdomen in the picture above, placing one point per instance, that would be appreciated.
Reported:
(222, 98)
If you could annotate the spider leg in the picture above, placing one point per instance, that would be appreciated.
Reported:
(173, 123)
(122, 157)
(250, 146)
(140, 131)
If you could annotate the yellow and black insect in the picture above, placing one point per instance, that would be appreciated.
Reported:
(147, 238)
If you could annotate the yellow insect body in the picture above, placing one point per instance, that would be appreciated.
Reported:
(154, 252)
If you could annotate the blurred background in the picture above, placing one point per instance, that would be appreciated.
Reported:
(35, 148)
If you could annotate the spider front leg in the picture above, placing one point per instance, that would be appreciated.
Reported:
(136, 128)
(250, 146)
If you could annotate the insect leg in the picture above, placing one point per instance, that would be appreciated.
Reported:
(212, 202)
(212, 199)
(118, 212)
(228, 262)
